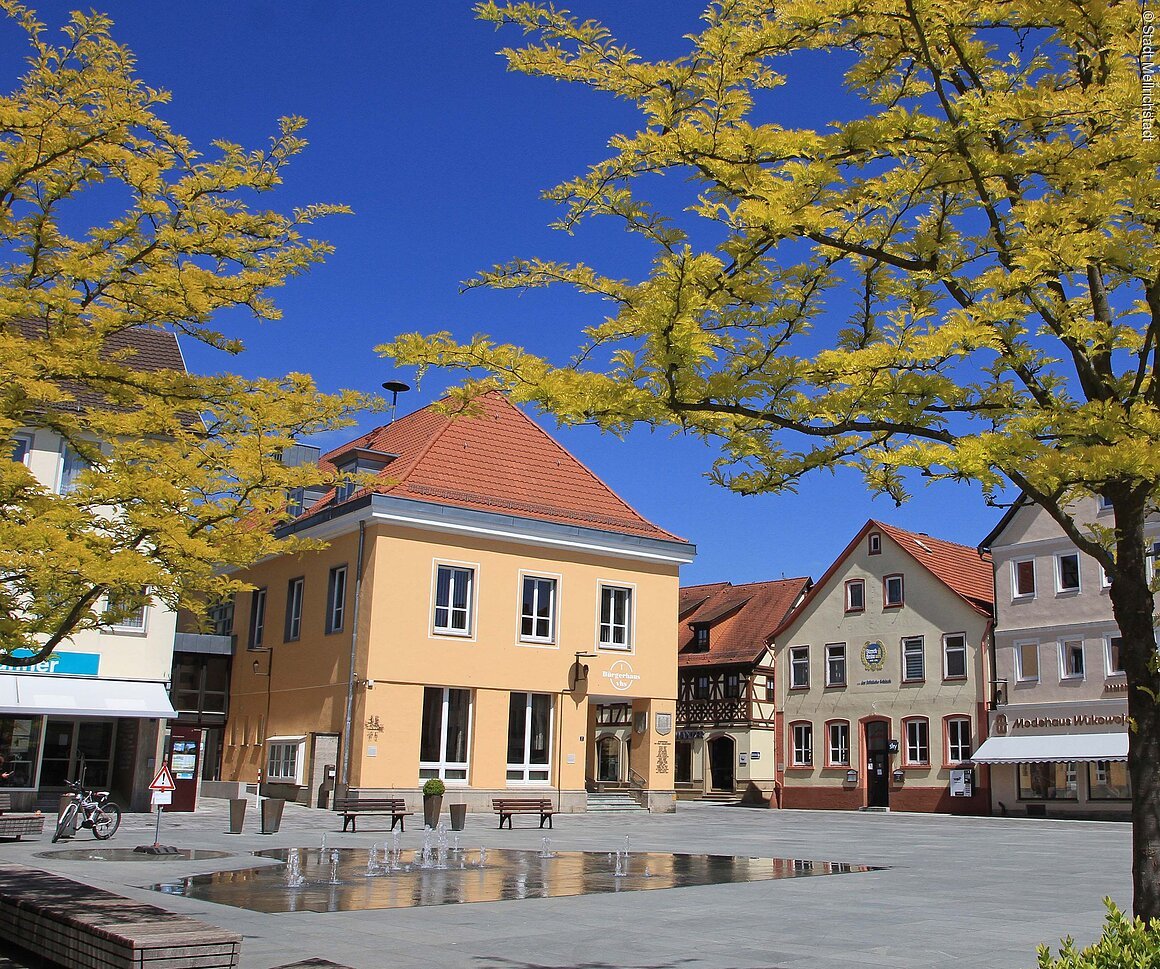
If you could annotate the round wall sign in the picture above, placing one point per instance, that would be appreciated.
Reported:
(874, 656)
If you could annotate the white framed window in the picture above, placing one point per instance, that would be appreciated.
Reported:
(1115, 662)
(344, 489)
(913, 659)
(803, 744)
(958, 739)
(799, 667)
(1027, 661)
(454, 600)
(257, 618)
(954, 656)
(538, 609)
(856, 595)
(21, 448)
(838, 739)
(1023, 579)
(1103, 503)
(444, 740)
(917, 741)
(874, 543)
(336, 599)
(295, 591)
(71, 466)
(1071, 659)
(615, 617)
(284, 756)
(835, 664)
(529, 742)
(1067, 572)
(892, 591)
(127, 614)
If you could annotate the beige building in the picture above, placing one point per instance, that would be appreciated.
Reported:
(1059, 743)
(489, 613)
(881, 678)
(726, 741)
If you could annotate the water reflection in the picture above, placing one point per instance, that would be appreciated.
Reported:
(342, 882)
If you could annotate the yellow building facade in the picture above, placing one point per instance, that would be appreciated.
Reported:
(490, 614)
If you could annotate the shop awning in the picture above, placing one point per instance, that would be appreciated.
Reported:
(1052, 748)
(82, 696)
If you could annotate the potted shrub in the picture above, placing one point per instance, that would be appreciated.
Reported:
(432, 801)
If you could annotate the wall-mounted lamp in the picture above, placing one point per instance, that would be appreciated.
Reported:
(368, 683)
(851, 776)
(578, 672)
(1000, 692)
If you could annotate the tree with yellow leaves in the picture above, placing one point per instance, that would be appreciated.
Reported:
(177, 476)
(961, 280)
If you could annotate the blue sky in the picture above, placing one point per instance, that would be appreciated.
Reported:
(417, 125)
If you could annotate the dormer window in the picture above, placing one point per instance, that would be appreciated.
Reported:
(357, 460)
(344, 489)
(701, 638)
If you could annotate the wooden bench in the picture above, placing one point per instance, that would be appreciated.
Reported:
(505, 807)
(75, 925)
(351, 808)
(13, 825)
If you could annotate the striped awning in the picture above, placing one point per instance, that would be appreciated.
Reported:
(1052, 748)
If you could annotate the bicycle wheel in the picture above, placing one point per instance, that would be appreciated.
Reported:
(106, 821)
(66, 823)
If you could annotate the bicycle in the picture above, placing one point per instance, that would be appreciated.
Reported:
(96, 812)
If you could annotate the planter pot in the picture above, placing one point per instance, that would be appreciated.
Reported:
(272, 814)
(237, 814)
(431, 809)
(458, 816)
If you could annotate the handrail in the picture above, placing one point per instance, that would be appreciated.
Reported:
(635, 780)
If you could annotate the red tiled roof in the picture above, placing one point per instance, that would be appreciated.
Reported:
(493, 458)
(740, 619)
(960, 567)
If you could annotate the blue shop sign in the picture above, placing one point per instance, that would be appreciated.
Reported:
(74, 664)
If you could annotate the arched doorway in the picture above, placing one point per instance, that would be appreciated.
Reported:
(878, 763)
(721, 763)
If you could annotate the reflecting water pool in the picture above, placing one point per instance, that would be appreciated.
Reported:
(356, 879)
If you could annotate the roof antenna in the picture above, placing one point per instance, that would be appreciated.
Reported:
(396, 387)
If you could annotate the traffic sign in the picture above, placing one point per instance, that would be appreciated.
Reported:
(163, 781)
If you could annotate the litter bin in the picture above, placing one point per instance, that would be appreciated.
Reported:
(458, 816)
(272, 814)
(237, 814)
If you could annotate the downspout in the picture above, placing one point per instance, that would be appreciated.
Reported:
(350, 684)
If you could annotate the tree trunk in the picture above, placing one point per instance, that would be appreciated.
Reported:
(1133, 608)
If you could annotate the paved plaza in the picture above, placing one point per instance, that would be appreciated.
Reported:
(956, 892)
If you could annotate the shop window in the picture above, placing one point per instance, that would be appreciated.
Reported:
(958, 740)
(615, 617)
(1108, 781)
(954, 656)
(1067, 572)
(799, 667)
(917, 733)
(1047, 782)
(892, 592)
(529, 737)
(284, 759)
(836, 664)
(1023, 578)
(295, 591)
(838, 736)
(856, 595)
(538, 610)
(443, 742)
(20, 745)
(803, 744)
(453, 600)
(913, 660)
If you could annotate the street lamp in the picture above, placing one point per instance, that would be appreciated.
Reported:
(269, 674)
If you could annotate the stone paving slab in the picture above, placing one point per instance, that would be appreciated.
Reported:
(980, 892)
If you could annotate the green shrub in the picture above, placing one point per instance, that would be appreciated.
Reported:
(433, 788)
(1125, 944)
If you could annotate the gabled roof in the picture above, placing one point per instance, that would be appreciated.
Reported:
(492, 458)
(740, 619)
(966, 571)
